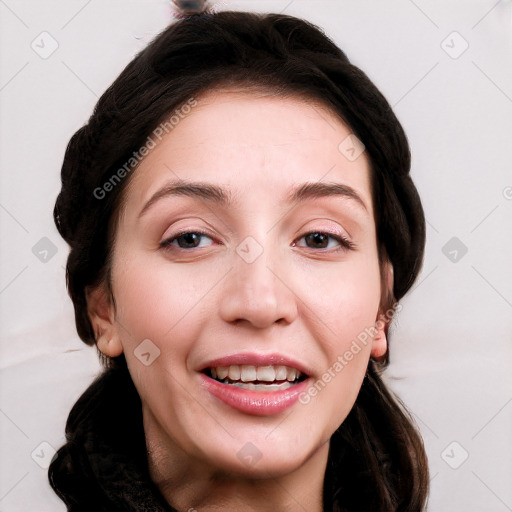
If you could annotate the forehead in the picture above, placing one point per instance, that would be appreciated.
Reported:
(252, 143)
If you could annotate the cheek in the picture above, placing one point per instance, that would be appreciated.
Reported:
(343, 298)
(162, 303)
(342, 312)
(157, 301)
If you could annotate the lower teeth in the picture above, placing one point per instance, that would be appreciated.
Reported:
(259, 387)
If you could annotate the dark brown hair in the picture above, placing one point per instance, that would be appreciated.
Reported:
(377, 460)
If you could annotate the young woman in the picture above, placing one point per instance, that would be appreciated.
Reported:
(242, 225)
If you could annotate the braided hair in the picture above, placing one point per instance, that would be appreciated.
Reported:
(377, 460)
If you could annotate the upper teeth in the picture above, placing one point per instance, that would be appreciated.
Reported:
(247, 373)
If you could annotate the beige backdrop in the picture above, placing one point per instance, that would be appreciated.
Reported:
(446, 68)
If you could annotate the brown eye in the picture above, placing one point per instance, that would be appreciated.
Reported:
(320, 240)
(185, 240)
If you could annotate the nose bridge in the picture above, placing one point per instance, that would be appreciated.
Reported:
(256, 292)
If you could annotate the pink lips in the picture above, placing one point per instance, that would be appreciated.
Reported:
(259, 403)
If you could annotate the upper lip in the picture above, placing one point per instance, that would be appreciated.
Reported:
(251, 359)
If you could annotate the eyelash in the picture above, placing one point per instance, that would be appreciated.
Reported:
(345, 243)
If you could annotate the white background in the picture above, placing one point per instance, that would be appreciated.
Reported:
(451, 347)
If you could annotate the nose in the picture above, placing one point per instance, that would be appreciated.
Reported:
(259, 293)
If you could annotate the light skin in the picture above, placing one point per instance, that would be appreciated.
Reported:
(305, 297)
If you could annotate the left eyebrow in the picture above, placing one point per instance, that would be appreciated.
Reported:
(318, 190)
(217, 195)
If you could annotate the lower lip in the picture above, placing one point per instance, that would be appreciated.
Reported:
(249, 401)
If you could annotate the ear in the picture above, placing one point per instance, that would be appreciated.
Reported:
(101, 314)
(380, 341)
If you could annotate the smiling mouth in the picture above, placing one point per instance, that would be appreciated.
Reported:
(258, 378)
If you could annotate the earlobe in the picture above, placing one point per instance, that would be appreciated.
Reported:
(380, 341)
(101, 315)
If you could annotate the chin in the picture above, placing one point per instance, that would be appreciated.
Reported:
(261, 458)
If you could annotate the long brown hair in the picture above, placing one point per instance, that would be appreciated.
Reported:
(377, 461)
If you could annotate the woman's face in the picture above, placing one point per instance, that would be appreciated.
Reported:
(261, 270)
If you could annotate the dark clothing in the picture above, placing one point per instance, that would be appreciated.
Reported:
(103, 466)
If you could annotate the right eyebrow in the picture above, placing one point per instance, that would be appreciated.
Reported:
(206, 191)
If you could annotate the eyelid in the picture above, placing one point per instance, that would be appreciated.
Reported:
(328, 226)
(168, 239)
(344, 241)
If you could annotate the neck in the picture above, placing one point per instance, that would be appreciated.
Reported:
(189, 484)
